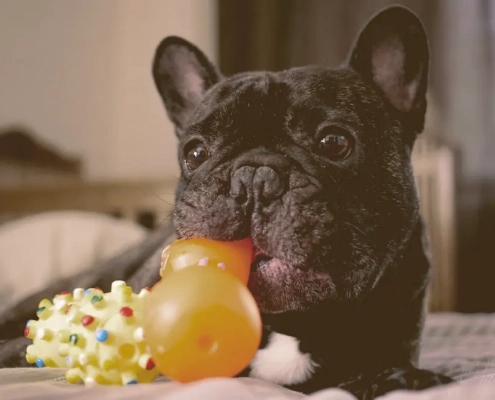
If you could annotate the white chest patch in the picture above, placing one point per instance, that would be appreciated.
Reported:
(281, 362)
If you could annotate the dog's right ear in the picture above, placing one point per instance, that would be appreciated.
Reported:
(182, 75)
(392, 53)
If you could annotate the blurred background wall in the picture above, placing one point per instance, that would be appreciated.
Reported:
(78, 74)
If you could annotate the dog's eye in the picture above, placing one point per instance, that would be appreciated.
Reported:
(196, 154)
(335, 143)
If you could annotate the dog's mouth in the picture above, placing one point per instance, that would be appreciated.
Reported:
(260, 260)
(267, 268)
(278, 286)
(264, 264)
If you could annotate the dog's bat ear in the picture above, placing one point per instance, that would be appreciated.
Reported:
(392, 52)
(182, 75)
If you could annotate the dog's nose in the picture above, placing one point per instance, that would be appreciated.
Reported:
(241, 186)
(267, 185)
(258, 179)
(261, 185)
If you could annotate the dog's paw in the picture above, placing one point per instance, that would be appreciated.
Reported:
(369, 387)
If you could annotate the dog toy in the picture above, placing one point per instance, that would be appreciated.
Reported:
(233, 257)
(97, 336)
(209, 324)
(199, 321)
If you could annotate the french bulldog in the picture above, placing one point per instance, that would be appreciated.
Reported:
(314, 164)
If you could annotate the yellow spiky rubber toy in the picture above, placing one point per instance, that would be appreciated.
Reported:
(98, 336)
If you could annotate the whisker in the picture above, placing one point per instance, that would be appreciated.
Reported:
(356, 228)
(189, 204)
(175, 177)
(163, 200)
(165, 219)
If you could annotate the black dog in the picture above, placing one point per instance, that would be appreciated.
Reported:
(314, 164)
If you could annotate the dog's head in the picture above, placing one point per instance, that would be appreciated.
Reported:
(313, 163)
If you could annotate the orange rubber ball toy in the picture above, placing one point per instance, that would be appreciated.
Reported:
(201, 320)
(234, 257)
(201, 323)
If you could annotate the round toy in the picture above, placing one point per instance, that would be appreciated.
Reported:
(97, 336)
(201, 323)
(233, 257)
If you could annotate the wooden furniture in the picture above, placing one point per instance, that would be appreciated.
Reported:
(434, 168)
(148, 203)
(26, 161)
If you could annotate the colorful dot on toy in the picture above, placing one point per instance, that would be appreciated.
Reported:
(126, 312)
(150, 365)
(101, 335)
(96, 299)
(87, 320)
(73, 339)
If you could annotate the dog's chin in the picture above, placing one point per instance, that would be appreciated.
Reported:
(279, 287)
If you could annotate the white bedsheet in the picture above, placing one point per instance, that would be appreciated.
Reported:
(461, 346)
(31, 384)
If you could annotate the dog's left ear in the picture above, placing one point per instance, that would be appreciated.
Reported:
(392, 53)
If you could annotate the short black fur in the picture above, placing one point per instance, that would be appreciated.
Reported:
(343, 265)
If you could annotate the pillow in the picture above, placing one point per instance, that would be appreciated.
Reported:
(38, 249)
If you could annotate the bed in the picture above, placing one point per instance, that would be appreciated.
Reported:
(462, 346)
